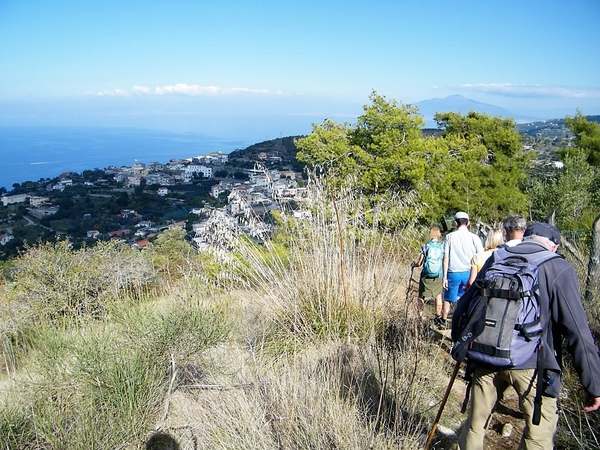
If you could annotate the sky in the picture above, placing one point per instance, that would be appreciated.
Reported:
(264, 69)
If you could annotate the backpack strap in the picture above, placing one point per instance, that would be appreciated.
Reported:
(469, 379)
(540, 370)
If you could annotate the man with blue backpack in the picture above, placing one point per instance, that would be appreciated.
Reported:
(430, 281)
(510, 326)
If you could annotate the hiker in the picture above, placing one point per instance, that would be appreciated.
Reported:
(513, 227)
(459, 248)
(430, 282)
(494, 239)
(562, 317)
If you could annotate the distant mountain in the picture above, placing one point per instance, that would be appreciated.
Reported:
(463, 105)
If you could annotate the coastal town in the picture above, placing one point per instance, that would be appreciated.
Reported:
(136, 203)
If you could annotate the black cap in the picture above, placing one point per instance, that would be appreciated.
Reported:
(543, 229)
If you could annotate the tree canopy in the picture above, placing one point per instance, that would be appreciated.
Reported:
(572, 190)
(477, 165)
(587, 138)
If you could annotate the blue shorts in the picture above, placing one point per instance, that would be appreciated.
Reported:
(456, 285)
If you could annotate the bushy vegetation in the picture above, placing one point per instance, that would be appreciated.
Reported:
(307, 337)
(309, 349)
(477, 164)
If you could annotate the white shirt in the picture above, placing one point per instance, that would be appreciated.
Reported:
(460, 246)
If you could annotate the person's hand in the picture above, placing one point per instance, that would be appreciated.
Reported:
(590, 403)
(445, 283)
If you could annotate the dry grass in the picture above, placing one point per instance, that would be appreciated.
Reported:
(308, 339)
(322, 397)
(329, 352)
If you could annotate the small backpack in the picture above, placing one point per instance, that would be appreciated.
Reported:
(502, 327)
(432, 268)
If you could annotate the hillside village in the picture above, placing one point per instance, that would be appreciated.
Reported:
(193, 194)
(136, 203)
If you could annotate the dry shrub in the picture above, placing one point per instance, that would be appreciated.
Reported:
(104, 384)
(52, 281)
(319, 398)
(332, 273)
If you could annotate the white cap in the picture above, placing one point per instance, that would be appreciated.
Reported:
(461, 215)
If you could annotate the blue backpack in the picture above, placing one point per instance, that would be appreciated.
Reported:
(433, 260)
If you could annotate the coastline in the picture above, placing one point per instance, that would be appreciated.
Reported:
(32, 153)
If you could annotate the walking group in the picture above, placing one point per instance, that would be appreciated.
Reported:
(513, 305)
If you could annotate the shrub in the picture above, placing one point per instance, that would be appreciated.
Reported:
(331, 274)
(53, 281)
(105, 384)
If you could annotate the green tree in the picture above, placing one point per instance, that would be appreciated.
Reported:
(383, 150)
(477, 164)
(329, 146)
(483, 164)
(572, 191)
(240, 175)
(587, 138)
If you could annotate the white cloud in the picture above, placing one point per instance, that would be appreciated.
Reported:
(536, 90)
(187, 90)
(194, 89)
(141, 90)
(113, 93)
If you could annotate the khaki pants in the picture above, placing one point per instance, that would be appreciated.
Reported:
(483, 400)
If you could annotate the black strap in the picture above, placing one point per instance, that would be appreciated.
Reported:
(539, 388)
(468, 377)
(465, 403)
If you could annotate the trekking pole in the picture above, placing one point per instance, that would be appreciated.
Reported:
(410, 280)
(408, 292)
(441, 408)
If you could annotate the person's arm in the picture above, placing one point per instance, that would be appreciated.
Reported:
(472, 276)
(445, 269)
(419, 260)
(571, 319)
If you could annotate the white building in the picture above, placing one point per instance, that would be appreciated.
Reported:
(36, 201)
(206, 172)
(10, 199)
(216, 190)
(5, 239)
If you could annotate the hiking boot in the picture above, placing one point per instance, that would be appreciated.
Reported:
(438, 322)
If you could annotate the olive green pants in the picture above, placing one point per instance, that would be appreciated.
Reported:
(483, 399)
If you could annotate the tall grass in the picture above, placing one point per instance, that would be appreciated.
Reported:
(102, 385)
(335, 355)
(332, 274)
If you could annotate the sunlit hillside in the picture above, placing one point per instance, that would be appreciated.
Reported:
(308, 336)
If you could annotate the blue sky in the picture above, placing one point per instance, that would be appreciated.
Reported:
(272, 68)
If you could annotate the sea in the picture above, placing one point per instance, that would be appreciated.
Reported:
(30, 153)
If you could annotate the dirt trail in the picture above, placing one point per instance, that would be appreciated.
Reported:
(505, 426)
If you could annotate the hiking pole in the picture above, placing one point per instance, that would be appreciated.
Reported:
(441, 408)
(410, 280)
(408, 292)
